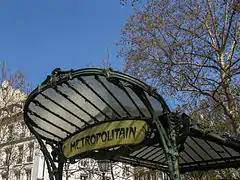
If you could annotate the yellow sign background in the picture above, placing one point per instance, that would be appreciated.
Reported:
(108, 134)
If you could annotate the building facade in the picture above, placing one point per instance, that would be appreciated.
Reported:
(18, 151)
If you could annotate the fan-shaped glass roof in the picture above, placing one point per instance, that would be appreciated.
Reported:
(68, 102)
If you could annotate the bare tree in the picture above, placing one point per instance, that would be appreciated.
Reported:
(190, 49)
(12, 96)
(12, 128)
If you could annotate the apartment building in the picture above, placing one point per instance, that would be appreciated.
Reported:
(18, 151)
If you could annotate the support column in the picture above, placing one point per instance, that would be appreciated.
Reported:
(59, 174)
(59, 158)
(168, 140)
(49, 161)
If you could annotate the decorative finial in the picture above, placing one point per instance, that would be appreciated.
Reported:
(56, 71)
(152, 90)
(107, 72)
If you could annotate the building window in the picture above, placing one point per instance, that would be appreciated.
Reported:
(20, 154)
(23, 127)
(83, 163)
(30, 155)
(8, 155)
(126, 171)
(10, 132)
(153, 176)
(4, 175)
(28, 174)
(17, 174)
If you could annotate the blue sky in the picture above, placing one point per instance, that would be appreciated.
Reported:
(38, 36)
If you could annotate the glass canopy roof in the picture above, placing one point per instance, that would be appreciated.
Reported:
(68, 102)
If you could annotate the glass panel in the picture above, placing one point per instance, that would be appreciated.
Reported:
(136, 152)
(232, 152)
(66, 103)
(139, 103)
(205, 146)
(57, 109)
(186, 157)
(91, 96)
(156, 105)
(160, 158)
(74, 97)
(181, 161)
(148, 150)
(192, 153)
(105, 95)
(159, 153)
(220, 150)
(51, 117)
(154, 151)
(44, 134)
(198, 149)
(47, 126)
(122, 98)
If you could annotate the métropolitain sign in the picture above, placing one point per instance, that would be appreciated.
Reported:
(108, 134)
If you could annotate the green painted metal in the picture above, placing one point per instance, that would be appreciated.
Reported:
(170, 147)
(173, 129)
(52, 169)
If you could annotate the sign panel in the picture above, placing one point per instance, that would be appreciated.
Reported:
(108, 134)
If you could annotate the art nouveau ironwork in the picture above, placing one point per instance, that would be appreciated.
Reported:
(69, 103)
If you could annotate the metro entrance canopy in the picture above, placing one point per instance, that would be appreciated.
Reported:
(104, 114)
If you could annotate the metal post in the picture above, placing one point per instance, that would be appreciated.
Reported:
(43, 173)
(103, 174)
(60, 169)
(49, 161)
(170, 147)
(60, 160)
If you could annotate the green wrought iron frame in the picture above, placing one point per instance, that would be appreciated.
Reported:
(172, 128)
